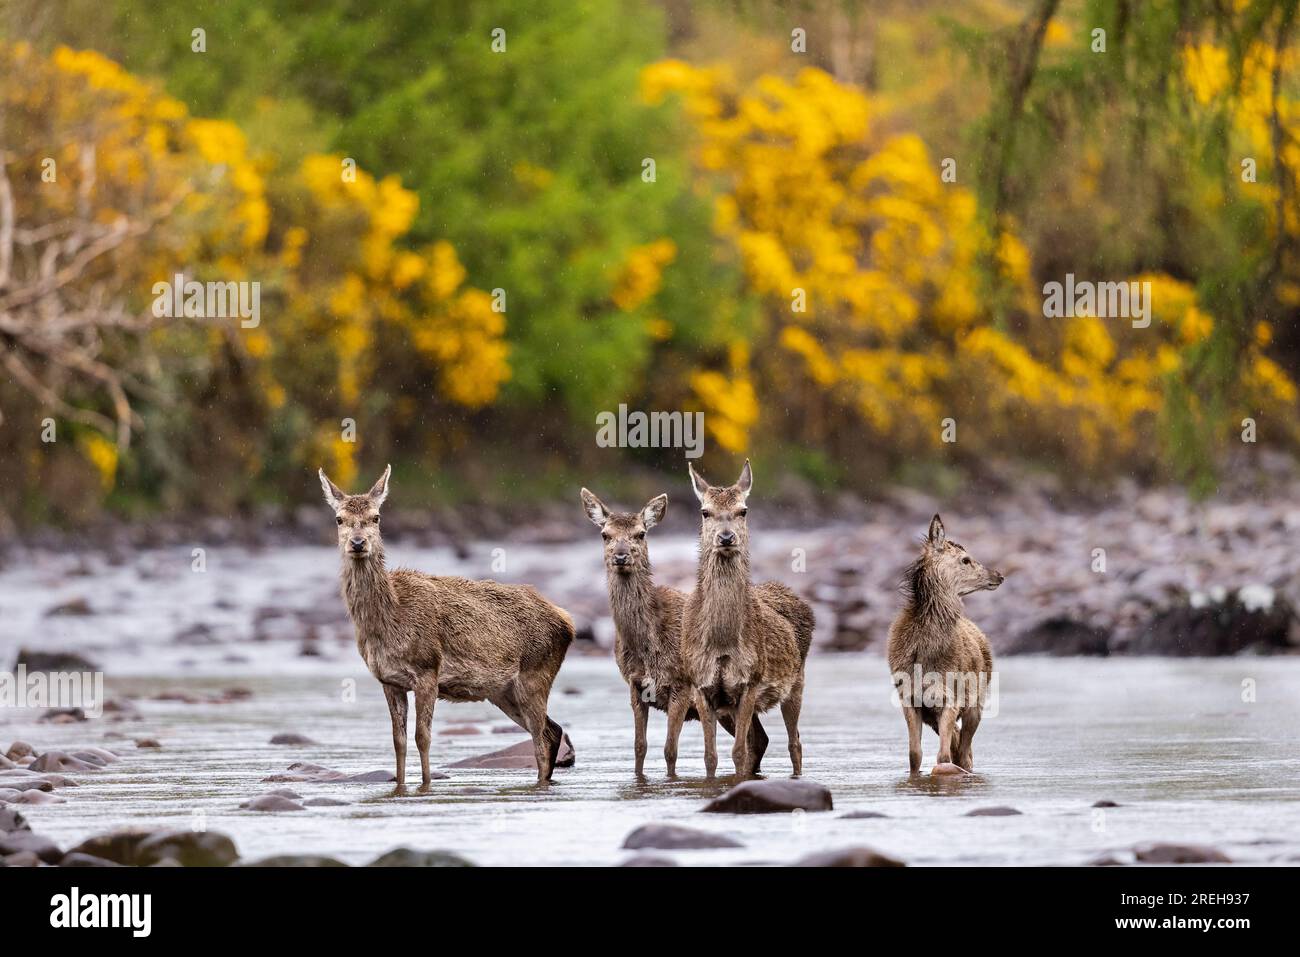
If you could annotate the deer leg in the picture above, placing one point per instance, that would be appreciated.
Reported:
(426, 696)
(913, 718)
(790, 709)
(678, 704)
(640, 712)
(709, 724)
(970, 720)
(397, 712)
(744, 717)
(947, 726)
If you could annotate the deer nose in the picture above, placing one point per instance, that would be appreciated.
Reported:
(358, 544)
(727, 538)
(621, 558)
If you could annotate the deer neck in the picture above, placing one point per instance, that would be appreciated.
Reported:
(368, 593)
(632, 604)
(934, 606)
(722, 587)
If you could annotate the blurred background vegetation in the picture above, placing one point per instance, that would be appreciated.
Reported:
(518, 178)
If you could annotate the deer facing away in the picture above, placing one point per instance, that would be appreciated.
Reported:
(447, 637)
(744, 646)
(647, 630)
(939, 659)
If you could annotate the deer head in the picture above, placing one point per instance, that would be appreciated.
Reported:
(722, 513)
(624, 532)
(357, 516)
(953, 565)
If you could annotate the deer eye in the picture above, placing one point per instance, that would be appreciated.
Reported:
(704, 512)
(742, 512)
(605, 535)
(338, 520)
(965, 561)
(376, 519)
(639, 535)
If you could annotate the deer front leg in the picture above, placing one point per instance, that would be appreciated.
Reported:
(426, 696)
(640, 713)
(913, 718)
(947, 727)
(744, 718)
(709, 724)
(970, 720)
(397, 711)
(790, 709)
(678, 705)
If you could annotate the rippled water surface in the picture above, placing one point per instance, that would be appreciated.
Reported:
(1172, 742)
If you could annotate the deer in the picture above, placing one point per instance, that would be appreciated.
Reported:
(744, 646)
(939, 659)
(445, 637)
(647, 630)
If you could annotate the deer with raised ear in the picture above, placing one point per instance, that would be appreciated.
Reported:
(647, 630)
(449, 638)
(744, 646)
(939, 659)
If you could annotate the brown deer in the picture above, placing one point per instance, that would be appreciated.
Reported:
(939, 659)
(647, 629)
(744, 646)
(447, 637)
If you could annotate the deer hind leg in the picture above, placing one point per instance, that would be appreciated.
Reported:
(913, 718)
(397, 712)
(790, 709)
(678, 705)
(947, 734)
(970, 720)
(529, 712)
(426, 696)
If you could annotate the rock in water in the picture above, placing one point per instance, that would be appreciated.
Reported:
(75, 859)
(142, 847)
(1243, 621)
(298, 739)
(998, 811)
(947, 769)
(1181, 854)
(272, 802)
(849, 857)
(518, 756)
(295, 860)
(1061, 636)
(405, 857)
(768, 797)
(674, 837)
(648, 860)
(16, 842)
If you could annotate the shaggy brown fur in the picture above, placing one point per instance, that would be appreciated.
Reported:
(743, 646)
(647, 629)
(446, 637)
(939, 659)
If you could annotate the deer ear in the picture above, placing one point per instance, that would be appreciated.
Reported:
(746, 480)
(698, 482)
(937, 535)
(379, 491)
(333, 496)
(596, 510)
(653, 513)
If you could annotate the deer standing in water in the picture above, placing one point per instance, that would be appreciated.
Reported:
(446, 637)
(647, 629)
(744, 646)
(940, 661)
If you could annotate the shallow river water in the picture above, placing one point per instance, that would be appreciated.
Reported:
(1172, 742)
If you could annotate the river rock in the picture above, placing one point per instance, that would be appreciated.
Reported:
(849, 857)
(295, 860)
(77, 859)
(6, 764)
(147, 743)
(649, 860)
(34, 783)
(862, 815)
(460, 730)
(1180, 854)
(36, 797)
(272, 802)
(73, 607)
(518, 756)
(674, 837)
(21, 859)
(772, 796)
(7, 794)
(1106, 804)
(947, 769)
(305, 772)
(15, 842)
(11, 820)
(996, 811)
(290, 738)
(62, 716)
(405, 857)
(142, 847)
(61, 761)
(1060, 636)
(19, 750)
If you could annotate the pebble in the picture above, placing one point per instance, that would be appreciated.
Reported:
(849, 857)
(772, 796)
(674, 837)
